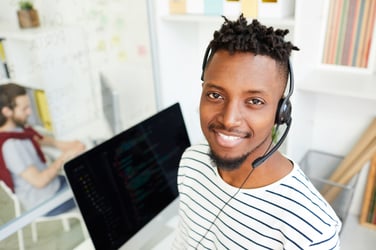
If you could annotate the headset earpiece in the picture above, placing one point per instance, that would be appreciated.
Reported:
(283, 111)
(283, 114)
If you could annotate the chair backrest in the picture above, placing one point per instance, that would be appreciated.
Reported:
(5, 176)
(11, 206)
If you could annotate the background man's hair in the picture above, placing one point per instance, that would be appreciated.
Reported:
(8, 94)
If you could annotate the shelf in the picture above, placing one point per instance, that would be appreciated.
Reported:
(288, 21)
(340, 83)
(12, 31)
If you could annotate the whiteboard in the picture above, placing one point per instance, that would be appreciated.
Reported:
(76, 41)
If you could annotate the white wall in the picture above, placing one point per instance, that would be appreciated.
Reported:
(116, 43)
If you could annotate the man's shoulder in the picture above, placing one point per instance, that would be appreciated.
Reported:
(16, 134)
(196, 154)
(197, 148)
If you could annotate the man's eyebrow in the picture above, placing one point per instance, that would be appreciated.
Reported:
(251, 91)
(256, 91)
(212, 85)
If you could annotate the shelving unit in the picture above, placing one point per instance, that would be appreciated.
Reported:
(283, 22)
(340, 83)
(189, 34)
(339, 100)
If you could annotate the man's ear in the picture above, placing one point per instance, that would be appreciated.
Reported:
(7, 112)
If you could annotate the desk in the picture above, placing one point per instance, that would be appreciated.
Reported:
(353, 236)
(158, 242)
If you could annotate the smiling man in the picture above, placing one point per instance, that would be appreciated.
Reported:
(237, 191)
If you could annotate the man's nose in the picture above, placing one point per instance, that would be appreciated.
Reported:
(232, 115)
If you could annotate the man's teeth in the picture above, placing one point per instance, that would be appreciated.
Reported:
(229, 137)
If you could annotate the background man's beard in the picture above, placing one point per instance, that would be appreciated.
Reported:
(19, 122)
(227, 164)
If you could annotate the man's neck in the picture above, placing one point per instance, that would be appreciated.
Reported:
(274, 169)
(8, 126)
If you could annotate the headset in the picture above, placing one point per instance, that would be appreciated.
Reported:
(283, 114)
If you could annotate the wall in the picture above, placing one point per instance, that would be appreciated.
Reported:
(115, 43)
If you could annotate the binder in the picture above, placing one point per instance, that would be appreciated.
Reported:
(4, 70)
(43, 110)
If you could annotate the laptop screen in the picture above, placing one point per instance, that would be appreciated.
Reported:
(123, 183)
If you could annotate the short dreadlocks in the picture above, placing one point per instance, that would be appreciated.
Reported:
(239, 36)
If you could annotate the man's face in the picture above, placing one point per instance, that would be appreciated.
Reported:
(21, 111)
(240, 95)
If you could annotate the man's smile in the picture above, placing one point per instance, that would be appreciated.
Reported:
(229, 139)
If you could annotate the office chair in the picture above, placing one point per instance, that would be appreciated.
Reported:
(64, 217)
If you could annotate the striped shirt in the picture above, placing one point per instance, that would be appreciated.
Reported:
(287, 214)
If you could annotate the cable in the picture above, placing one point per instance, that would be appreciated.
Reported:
(232, 197)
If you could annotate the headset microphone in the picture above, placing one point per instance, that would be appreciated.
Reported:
(263, 158)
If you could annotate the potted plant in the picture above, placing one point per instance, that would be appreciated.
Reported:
(27, 15)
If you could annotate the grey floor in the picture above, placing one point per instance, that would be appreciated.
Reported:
(51, 236)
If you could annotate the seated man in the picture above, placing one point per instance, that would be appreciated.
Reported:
(22, 164)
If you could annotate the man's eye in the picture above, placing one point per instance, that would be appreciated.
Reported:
(255, 102)
(214, 95)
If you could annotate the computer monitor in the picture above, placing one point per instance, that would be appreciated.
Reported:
(110, 105)
(125, 182)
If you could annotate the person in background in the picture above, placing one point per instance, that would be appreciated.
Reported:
(237, 191)
(23, 165)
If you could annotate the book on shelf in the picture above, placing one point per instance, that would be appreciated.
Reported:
(349, 32)
(40, 115)
(43, 110)
(4, 70)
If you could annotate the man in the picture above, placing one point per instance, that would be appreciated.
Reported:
(238, 192)
(22, 164)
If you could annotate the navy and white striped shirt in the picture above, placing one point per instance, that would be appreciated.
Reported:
(288, 214)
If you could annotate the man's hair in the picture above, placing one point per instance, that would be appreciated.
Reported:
(8, 94)
(239, 36)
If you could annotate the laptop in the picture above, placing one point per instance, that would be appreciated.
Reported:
(126, 187)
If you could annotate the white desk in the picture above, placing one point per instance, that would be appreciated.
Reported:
(353, 236)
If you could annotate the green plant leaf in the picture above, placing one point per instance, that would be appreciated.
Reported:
(26, 5)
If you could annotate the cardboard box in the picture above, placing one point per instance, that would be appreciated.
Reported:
(275, 8)
(178, 6)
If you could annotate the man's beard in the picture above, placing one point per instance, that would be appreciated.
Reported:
(228, 164)
(19, 122)
(233, 163)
